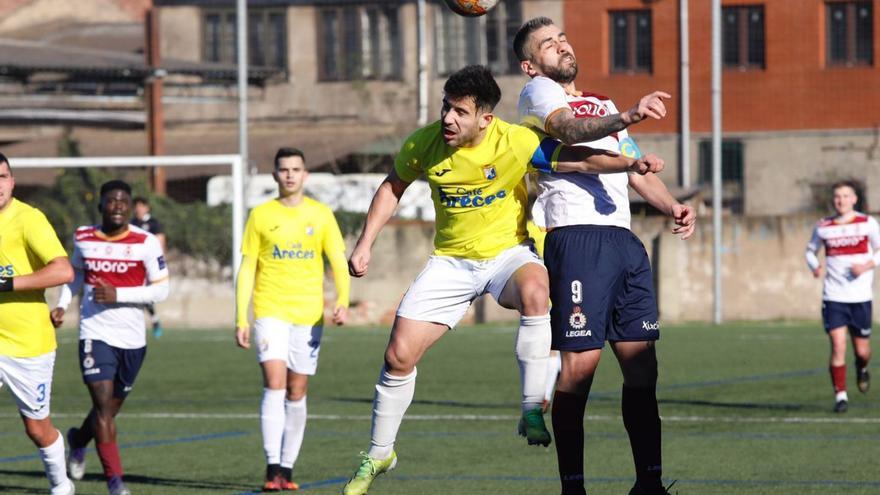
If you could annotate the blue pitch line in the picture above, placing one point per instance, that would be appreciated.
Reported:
(146, 443)
(546, 479)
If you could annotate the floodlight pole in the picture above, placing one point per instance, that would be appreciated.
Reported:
(421, 30)
(239, 169)
(716, 159)
(685, 98)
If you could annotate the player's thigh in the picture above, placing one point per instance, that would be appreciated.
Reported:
(442, 292)
(638, 362)
(304, 346)
(835, 315)
(272, 339)
(30, 382)
(585, 270)
(635, 317)
(517, 279)
(99, 364)
(577, 370)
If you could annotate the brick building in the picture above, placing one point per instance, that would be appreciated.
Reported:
(800, 85)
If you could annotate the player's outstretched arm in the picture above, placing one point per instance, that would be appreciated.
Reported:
(382, 207)
(244, 287)
(564, 126)
(589, 160)
(650, 187)
(56, 272)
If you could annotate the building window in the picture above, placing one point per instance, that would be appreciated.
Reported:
(357, 42)
(631, 49)
(850, 33)
(731, 162)
(460, 41)
(267, 37)
(743, 36)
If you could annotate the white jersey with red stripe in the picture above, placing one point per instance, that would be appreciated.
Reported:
(129, 260)
(576, 198)
(846, 242)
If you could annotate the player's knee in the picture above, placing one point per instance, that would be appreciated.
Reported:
(535, 297)
(42, 433)
(398, 361)
(296, 392)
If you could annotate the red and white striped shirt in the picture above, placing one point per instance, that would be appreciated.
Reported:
(131, 262)
(856, 240)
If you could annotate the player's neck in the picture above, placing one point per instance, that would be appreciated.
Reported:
(114, 230)
(845, 217)
(291, 200)
(6, 206)
(570, 89)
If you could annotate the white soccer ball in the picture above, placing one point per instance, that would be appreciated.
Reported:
(471, 8)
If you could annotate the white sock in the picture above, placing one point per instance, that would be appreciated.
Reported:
(554, 364)
(839, 396)
(272, 423)
(54, 463)
(393, 396)
(294, 430)
(532, 351)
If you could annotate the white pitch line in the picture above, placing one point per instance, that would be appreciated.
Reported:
(488, 417)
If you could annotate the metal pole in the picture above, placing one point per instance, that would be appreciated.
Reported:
(685, 138)
(239, 178)
(716, 157)
(421, 30)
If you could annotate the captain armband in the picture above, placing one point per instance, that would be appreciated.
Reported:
(6, 284)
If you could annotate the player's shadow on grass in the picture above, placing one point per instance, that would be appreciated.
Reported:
(8, 488)
(194, 484)
(447, 403)
(739, 405)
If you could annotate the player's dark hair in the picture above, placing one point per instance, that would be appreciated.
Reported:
(140, 200)
(522, 36)
(113, 185)
(474, 81)
(5, 160)
(847, 183)
(287, 153)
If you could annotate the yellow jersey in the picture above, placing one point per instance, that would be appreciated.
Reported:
(538, 235)
(479, 192)
(27, 244)
(289, 244)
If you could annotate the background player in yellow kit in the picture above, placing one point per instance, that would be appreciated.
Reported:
(31, 259)
(282, 266)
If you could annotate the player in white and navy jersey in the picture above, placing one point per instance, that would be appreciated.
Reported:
(852, 249)
(119, 268)
(601, 285)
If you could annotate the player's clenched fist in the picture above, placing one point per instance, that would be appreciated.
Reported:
(359, 261)
(57, 317)
(648, 163)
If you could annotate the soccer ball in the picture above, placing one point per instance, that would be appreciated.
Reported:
(471, 8)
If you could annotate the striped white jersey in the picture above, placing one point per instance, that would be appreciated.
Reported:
(846, 242)
(129, 262)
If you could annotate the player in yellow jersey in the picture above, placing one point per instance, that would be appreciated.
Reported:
(475, 164)
(31, 260)
(282, 264)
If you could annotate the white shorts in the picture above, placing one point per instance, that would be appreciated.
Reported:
(444, 290)
(30, 381)
(297, 345)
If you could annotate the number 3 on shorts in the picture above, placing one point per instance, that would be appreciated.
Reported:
(577, 292)
(41, 388)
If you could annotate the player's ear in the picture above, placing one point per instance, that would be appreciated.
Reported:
(526, 67)
(485, 118)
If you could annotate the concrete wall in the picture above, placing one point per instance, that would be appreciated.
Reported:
(764, 276)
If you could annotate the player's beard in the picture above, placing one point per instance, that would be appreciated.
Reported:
(562, 74)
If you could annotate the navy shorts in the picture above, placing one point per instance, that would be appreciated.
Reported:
(100, 361)
(601, 287)
(855, 316)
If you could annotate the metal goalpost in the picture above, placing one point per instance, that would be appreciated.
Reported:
(235, 163)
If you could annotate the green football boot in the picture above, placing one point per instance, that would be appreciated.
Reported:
(367, 472)
(532, 426)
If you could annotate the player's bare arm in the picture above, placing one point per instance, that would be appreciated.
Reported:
(382, 207)
(589, 160)
(56, 272)
(564, 126)
(650, 187)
